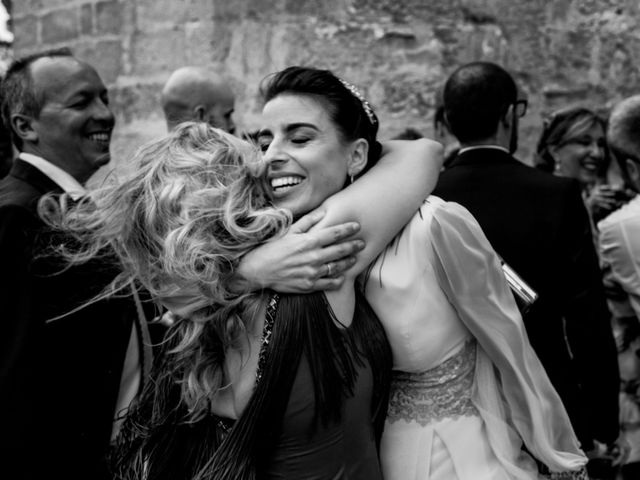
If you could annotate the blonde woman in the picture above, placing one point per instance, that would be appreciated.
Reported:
(255, 385)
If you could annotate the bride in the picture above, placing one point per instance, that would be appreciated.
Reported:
(467, 389)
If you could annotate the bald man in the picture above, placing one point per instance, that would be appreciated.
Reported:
(196, 94)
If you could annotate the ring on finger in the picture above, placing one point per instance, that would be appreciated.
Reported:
(329, 269)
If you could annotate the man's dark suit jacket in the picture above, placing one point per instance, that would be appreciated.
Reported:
(539, 225)
(59, 381)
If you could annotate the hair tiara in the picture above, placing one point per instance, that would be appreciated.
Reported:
(365, 104)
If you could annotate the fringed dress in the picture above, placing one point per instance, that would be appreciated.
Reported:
(306, 448)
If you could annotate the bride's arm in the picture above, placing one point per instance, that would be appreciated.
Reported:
(384, 199)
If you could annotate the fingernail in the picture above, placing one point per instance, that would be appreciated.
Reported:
(359, 244)
(355, 226)
(352, 260)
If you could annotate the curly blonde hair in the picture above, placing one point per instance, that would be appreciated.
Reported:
(179, 225)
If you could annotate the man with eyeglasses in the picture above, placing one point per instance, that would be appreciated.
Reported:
(539, 225)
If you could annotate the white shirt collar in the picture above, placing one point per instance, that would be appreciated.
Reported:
(478, 147)
(65, 181)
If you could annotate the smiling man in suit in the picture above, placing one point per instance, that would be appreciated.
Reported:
(539, 225)
(64, 372)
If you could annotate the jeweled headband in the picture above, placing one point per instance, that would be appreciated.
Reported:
(365, 104)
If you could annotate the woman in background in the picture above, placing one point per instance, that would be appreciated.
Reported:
(573, 144)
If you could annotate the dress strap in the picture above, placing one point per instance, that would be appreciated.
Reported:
(267, 329)
(226, 424)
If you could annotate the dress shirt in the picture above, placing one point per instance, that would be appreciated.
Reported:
(478, 147)
(620, 249)
(131, 379)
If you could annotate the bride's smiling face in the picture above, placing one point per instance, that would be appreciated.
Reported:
(306, 154)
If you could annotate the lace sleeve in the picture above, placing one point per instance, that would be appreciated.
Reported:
(469, 273)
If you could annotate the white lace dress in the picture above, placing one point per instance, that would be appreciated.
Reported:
(462, 361)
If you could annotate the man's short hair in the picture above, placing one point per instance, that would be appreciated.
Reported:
(17, 92)
(476, 96)
(439, 118)
(623, 131)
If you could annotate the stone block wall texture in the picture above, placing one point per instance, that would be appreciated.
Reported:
(398, 51)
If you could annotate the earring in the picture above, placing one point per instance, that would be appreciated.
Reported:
(351, 178)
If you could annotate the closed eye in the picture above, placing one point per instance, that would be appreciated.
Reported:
(80, 103)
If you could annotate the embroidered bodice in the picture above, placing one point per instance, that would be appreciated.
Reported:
(433, 395)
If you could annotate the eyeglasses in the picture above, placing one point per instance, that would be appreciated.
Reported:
(520, 107)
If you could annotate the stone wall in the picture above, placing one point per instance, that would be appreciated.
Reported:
(398, 51)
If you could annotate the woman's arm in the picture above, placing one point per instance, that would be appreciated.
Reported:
(384, 199)
(297, 262)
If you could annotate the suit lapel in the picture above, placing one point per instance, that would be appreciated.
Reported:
(28, 173)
